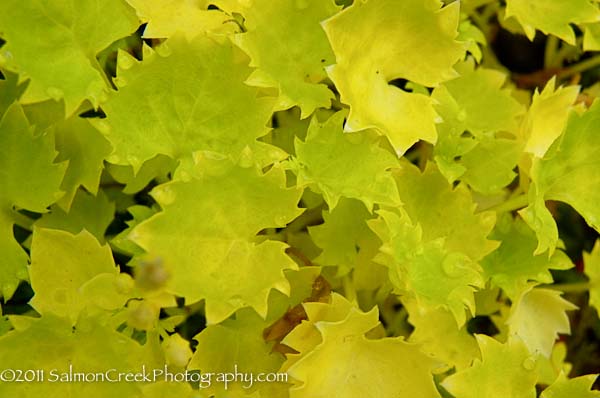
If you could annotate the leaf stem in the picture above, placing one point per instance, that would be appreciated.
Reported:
(575, 287)
(580, 67)
(22, 221)
(514, 203)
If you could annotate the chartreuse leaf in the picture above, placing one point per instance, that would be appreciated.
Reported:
(57, 270)
(189, 96)
(92, 213)
(235, 342)
(489, 166)
(77, 142)
(158, 167)
(484, 106)
(54, 44)
(121, 243)
(425, 269)
(295, 65)
(191, 17)
(591, 38)
(11, 90)
(345, 165)
(476, 102)
(343, 234)
(51, 343)
(537, 317)
(513, 264)
(445, 212)
(205, 235)
(592, 270)
(377, 41)
(505, 370)
(566, 388)
(30, 180)
(568, 173)
(547, 116)
(552, 16)
(437, 332)
(380, 368)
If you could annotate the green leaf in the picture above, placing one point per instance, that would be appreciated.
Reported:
(54, 44)
(186, 97)
(235, 343)
(346, 364)
(92, 213)
(343, 235)
(592, 270)
(77, 142)
(537, 317)
(568, 173)
(426, 270)
(552, 16)
(577, 387)
(167, 17)
(547, 116)
(51, 343)
(445, 212)
(484, 106)
(505, 370)
(376, 42)
(345, 165)
(295, 65)
(436, 330)
(58, 272)
(30, 180)
(513, 264)
(218, 258)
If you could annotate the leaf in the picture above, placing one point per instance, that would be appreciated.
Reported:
(537, 317)
(345, 165)
(576, 387)
(567, 173)
(23, 158)
(58, 272)
(445, 212)
(295, 65)
(347, 364)
(167, 17)
(592, 270)
(67, 36)
(547, 116)
(94, 214)
(477, 104)
(77, 142)
(235, 344)
(189, 96)
(505, 370)
(552, 16)
(343, 235)
(51, 343)
(426, 270)
(484, 106)
(437, 332)
(218, 258)
(378, 41)
(513, 264)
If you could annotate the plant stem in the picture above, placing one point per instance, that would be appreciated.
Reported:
(580, 67)
(575, 287)
(22, 220)
(514, 203)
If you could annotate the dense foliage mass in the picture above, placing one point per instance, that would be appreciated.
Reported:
(382, 199)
